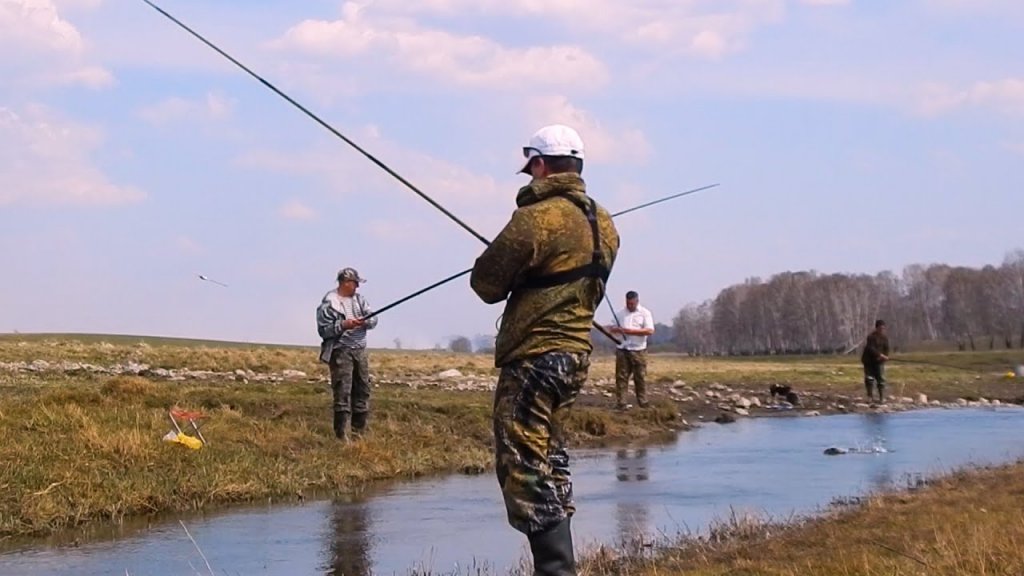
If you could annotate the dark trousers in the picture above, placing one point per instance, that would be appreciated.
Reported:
(874, 377)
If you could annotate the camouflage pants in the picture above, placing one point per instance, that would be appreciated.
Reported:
(532, 464)
(631, 363)
(350, 380)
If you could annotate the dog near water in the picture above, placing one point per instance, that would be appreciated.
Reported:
(785, 392)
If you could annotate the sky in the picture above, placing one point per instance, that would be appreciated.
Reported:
(846, 136)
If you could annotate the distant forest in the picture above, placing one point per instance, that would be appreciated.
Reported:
(933, 305)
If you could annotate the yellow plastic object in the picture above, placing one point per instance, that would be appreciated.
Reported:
(1011, 375)
(184, 439)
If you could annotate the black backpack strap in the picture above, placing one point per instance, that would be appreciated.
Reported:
(595, 269)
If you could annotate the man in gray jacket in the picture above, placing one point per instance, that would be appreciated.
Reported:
(340, 323)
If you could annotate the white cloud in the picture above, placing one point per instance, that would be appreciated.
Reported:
(350, 172)
(603, 144)
(94, 77)
(469, 194)
(37, 24)
(707, 28)
(43, 40)
(463, 60)
(826, 2)
(295, 210)
(45, 160)
(1005, 96)
(214, 106)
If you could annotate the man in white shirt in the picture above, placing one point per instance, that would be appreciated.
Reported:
(635, 323)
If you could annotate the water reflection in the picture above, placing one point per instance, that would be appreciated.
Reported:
(632, 511)
(349, 547)
(631, 465)
(876, 430)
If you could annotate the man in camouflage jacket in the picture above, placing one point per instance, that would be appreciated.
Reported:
(550, 263)
(341, 320)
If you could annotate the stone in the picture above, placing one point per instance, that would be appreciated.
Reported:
(812, 413)
(755, 401)
(742, 402)
(288, 373)
(725, 418)
(742, 412)
(450, 374)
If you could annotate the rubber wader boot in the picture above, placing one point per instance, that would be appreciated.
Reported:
(881, 393)
(340, 419)
(359, 423)
(869, 386)
(552, 551)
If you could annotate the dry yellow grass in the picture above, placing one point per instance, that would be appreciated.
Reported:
(89, 448)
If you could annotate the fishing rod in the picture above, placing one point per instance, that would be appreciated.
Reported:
(939, 364)
(651, 203)
(334, 131)
(458, 275)
(321, 122)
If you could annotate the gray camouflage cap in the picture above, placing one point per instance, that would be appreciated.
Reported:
(349, 274)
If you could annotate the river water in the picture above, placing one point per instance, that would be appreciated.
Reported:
(773, 466)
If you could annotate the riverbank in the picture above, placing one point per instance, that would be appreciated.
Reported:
(82, 419)
(969, 522)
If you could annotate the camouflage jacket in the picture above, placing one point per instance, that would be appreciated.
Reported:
(548, 233)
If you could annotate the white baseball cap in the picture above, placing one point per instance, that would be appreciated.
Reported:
(553, 140)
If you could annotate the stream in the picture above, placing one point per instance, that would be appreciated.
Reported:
(772, 466)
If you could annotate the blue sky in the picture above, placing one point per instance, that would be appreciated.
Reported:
(847, 136)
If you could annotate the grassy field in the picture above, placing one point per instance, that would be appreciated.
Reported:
(80, 447)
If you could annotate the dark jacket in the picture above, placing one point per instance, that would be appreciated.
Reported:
(876, 345)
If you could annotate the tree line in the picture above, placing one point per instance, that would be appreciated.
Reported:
(812, 313)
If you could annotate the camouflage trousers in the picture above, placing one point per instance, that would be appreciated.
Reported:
(630, 363)
(350, 380)
(530, 402)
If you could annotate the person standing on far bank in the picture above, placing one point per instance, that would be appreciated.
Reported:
(635, 323)
(874, 357)
(550, 264)
(339, 319)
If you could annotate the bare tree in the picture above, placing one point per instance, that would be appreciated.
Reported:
(809, 313)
